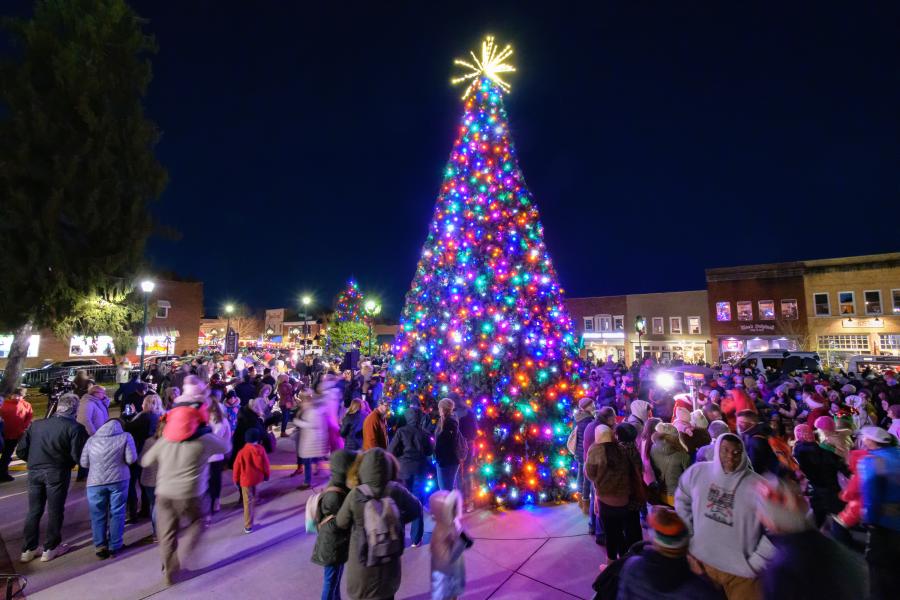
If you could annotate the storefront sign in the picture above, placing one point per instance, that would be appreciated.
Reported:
(6, 343)
(758, 327)
(610, 335)
(874, 323)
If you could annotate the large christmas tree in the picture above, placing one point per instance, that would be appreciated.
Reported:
(484, 321)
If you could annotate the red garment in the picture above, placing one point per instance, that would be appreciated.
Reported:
(251, 466)
(852, 495)
(814, 414)
(16, 416)
(285, 393)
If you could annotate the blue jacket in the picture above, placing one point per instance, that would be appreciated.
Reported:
(879, 473)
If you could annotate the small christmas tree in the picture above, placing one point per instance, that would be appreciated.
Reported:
(484, 322)
(349, 304)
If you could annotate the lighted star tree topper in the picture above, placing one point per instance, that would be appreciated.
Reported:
(484, 321)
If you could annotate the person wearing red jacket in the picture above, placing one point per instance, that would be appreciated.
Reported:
(16, 414)
(251, 467)
(735, 401)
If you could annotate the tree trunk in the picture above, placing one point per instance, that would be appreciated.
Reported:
(15, 362)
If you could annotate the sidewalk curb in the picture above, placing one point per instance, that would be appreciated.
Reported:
(7, 565)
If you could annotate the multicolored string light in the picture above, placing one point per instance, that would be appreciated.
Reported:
(484, 321)
(349, 303)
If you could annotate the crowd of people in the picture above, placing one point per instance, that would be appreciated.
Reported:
(744, 486)
(182, 425)
(753, 485)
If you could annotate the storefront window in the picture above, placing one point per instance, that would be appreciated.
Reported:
(694, 325)
(847, 303)
(858, 343)
(723, 311)
(789, 311)
(873, 302)
(99, 345)
(889, 343)
(745, 311)
(766, 310)
(757, 345)
(34, 343)
(823, 306)
(657, 326)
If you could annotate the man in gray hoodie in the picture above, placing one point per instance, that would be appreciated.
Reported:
(717, 501)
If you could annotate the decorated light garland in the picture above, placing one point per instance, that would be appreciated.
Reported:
(484, 321)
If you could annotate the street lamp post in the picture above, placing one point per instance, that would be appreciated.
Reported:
(372, 309)
(229, 308)
(640, 326)
(305, 301)
(147, 287)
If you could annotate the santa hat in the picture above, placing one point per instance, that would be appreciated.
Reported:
(825, 423)
(802, 433)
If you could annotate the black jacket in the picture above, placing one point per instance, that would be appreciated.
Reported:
(246, 391)
(446, 444)
(810, 566)
(820, 466)
(141, 427)
(760, 453)
(333, 544)
(53, 443)
(412, 446)
(351, 431)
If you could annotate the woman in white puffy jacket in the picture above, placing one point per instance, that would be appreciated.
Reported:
(312, 442)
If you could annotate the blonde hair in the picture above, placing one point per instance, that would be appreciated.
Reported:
(152, 403)
(445, 407)
(216, 412)
(355, 406)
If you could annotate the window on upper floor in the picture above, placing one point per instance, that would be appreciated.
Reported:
(847, 302)
(605, 322)
(789, 310)
(723, 311)
(658, 326)
(745, 310)
(675, 325)
(619, 323)
(766, 310)
(589, 323)
(162, 309)
(822, 303)
(872, 299)
(694, 325)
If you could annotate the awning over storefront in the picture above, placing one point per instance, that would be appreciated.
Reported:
(163, 332)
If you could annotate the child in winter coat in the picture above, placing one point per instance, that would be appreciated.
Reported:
(251, 467)
(448, 541)
(332, 549)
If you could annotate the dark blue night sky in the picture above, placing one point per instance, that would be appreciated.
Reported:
(305, 140)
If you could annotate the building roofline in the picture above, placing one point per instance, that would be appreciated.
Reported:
(799, 267)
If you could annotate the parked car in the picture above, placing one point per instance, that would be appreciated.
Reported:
(45, 376)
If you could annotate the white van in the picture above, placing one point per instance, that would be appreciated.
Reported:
(779, 362)
(879, 364)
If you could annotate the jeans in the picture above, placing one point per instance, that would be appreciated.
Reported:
(622, 527)
(107, 506)
(6, 454)
(331, 587)
(417, 529)
(215, 482)
(287, 415)
(595, 526)
(446, 477)
(307, 469)
(150, 495)
(50, 487)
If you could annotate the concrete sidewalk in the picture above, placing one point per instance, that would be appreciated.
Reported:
(542, 553)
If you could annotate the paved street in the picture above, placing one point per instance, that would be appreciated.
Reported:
(535, 553)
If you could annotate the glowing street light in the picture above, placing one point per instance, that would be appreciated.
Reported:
(306, 301)
(372, 308)
(147, 287)
(229, 308)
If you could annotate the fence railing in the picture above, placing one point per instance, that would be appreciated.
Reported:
(43, 377)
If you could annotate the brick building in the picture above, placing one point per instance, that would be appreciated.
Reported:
(756, 308)
(171, 329)
(854, 305)
(600, 324)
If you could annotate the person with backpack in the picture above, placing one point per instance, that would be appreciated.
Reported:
(251, 468)
(376, 512)
(412, 447)
(450, 448)
(332, 548)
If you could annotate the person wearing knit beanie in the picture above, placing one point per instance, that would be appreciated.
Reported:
(660, 569)
(715, 429)
(825, 424)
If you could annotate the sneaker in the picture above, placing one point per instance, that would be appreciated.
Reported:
(248, 530)
(27, 556)
(49, 555)
(299, 471)
(102, 553)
